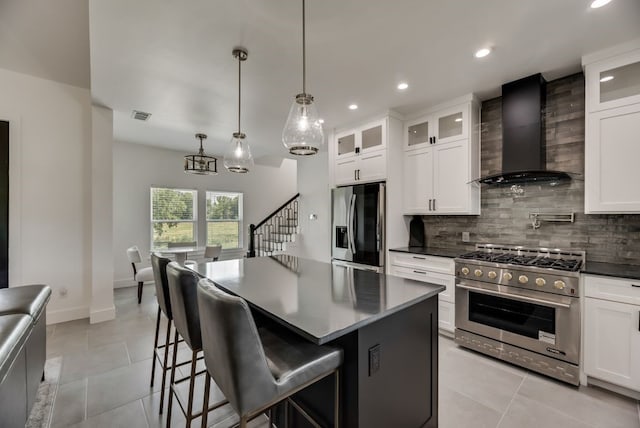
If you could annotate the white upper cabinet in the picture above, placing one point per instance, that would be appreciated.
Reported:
(364, 139)
(613, 82)
(612, 145)
(360, 153)
(443, 126)
(442, 157)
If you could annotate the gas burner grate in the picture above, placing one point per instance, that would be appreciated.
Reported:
(572, 265)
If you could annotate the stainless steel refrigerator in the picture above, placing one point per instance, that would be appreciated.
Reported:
(358, 226)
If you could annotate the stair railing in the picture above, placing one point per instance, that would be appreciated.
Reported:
(270, 235)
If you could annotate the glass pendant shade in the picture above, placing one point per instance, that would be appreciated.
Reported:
(238, 157)
(302, 134)
(200, 163)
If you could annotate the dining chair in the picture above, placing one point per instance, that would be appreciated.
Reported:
(142, 275)
(258, 368)
(183, 285)
(212, 252)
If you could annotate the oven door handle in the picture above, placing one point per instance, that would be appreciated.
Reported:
(515, 297)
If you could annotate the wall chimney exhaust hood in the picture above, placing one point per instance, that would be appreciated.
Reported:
(523, 135)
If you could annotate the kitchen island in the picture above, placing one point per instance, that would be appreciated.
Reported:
(386, 325)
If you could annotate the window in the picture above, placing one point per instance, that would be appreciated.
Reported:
(173, 217)
(224, 219)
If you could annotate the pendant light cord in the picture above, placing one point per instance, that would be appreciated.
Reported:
(239, 89)
(304, 52)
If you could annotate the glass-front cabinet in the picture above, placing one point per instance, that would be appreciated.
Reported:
(367, 138)
(614, 82)
(452, 124)
(442, 126)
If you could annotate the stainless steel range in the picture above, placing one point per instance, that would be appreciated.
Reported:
(521, 305)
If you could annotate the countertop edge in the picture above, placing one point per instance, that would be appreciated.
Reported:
(435, 252)
(611, 274)
(437, 289)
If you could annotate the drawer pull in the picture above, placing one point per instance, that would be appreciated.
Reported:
(423, 258)
(635, 285)
(638, 320)
(420, 272)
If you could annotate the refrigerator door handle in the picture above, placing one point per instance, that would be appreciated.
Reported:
(381, 220)
(350, 221)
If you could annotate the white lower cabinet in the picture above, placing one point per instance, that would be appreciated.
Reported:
(612, 331)
(436, 270)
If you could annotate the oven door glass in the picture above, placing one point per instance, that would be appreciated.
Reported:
(525, 319)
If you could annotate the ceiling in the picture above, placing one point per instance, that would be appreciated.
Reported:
(173, 59)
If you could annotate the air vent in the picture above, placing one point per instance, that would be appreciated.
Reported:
(140, 115)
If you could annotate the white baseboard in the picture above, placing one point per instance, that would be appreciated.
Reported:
(64, 315)
(102, 315)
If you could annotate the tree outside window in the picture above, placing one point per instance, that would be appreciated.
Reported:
(173, 217)
(224, 219)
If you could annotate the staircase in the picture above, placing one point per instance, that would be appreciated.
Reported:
(271, 235)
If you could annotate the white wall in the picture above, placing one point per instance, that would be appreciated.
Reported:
(314, 240)
(102, 307)
(50, 187)
(136, 168)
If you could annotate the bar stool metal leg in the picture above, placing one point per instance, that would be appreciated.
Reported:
(336, 403)
(205, 403)
(173, 378)
(166, 360)
(192, 384)
(155, 346)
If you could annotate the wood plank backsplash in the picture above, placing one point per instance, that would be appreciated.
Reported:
(504, 215)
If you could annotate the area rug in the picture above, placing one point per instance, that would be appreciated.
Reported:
(42, 411)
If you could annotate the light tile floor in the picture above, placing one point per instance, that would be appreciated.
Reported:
(104, 382)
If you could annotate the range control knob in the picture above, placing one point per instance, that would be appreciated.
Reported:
(477, 273)
(492, 275)
(522, 279)
(559, 284)
(540, 282)
(465, 271)
(507, 276)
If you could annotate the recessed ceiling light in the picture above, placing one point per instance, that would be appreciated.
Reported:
(458, 119)
(606, 78)
(599, 3)
(403, 85)
(353, 107)
(320, 121)
(482, 52)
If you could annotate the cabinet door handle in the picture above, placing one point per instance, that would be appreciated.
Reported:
(420, 272)
(638, 320)
(429, 204)
(434, 204)
(358, 174)
(355, 176)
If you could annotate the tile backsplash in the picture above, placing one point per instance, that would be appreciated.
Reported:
(504, 215)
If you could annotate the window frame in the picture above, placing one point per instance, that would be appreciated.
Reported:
(152, 221)
(239, 220)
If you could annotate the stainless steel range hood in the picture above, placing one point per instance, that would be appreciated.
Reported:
(523, 134)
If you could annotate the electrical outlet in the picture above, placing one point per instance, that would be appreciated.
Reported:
(63, 292)
(465, 237)
(374, 359)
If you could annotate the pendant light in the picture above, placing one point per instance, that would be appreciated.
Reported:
(238, 157)
(302, 133)
(200, 163)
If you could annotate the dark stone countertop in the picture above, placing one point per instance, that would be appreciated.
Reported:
(612, 269)
(320, 301)
(429, 251)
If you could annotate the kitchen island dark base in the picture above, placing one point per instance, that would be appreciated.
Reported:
(389, 376)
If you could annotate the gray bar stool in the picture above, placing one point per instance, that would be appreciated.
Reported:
(257, 369)
(183, 285)
(159, 266)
